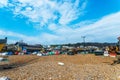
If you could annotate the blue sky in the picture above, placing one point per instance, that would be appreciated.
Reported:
(59, 21)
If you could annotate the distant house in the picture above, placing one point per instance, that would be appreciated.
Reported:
(3, 43)
(28, 48)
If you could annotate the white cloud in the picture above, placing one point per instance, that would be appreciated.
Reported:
(44, 11)
(52, 27)
(18, 36)
(3, 3)
(70, 11)
(104, 30)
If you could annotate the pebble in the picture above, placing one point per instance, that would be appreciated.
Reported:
(47, 68)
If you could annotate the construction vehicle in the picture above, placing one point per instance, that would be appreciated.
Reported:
(3, 44)
(118, 45)
(117, 49)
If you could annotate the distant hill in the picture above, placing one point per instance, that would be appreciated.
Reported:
(96, 44)
(88, 44)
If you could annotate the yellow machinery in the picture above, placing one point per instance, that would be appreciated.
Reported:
(3, 43)
(115, 49)
(1, 47)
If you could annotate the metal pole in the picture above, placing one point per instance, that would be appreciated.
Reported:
(84, 43)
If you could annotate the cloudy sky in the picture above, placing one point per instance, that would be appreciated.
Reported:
(59, 21)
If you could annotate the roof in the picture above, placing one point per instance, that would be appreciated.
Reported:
(32, 48)
(21, 43)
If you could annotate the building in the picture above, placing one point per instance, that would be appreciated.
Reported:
(23, 47)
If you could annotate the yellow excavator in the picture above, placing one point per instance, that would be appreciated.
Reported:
(3, 43)
(118, 44)
(117, 49)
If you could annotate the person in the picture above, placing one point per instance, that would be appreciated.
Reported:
(106, 53)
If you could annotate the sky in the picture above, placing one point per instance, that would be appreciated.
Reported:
(59, 21)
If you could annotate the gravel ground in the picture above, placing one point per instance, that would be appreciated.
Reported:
(76, 67)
